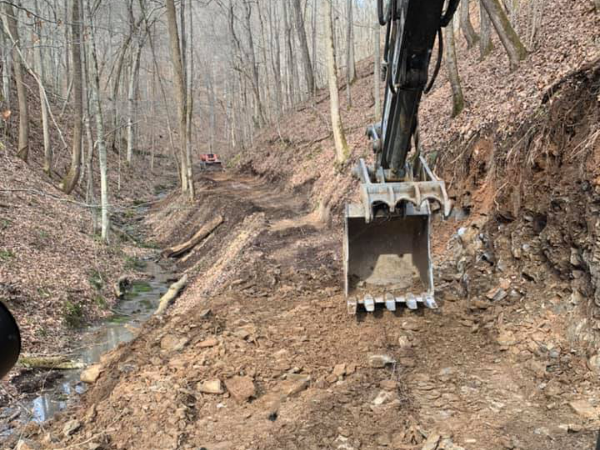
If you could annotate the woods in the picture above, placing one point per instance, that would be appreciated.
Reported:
(179, 78)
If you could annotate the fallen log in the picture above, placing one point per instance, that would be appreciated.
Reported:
(171, 295)
(50, 363)
(200, 235)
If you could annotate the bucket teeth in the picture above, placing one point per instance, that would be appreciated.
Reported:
(369, 303)
(390, 302)
(430, 302)
(411, 301)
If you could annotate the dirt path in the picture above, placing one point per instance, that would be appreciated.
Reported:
(264, 328)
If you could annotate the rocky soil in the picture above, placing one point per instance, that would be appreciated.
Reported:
(260, 353)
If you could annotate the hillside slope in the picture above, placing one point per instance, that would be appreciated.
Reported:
(55, 274)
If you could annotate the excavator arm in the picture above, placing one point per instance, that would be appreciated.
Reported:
(387, 247)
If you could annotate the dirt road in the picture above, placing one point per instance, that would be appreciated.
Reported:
(259, 353)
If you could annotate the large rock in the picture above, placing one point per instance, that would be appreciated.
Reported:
(211, 387)
(91, 374)
(71, 427)
(207, 343)
(584, 409)
(380, 361)
(339, 370)
(241, 388)
(594, 363)
(292, 387)
(172, 343)
(506, 338)
(432, 442)
(383, 397)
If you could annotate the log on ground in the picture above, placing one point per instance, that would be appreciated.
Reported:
(171, 294)
(50, 362)
(200, 235)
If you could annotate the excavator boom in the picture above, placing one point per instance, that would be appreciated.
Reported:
(387, 243)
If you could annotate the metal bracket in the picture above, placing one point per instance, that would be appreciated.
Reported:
(394, 194)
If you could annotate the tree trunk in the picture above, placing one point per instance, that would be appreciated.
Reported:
(291, 87)
(465, 24)
(72, 177)
(510, 39)
(189, 79)
(341, 146)
(6, 69)
(180, 93)
(300, 29)
(276, 60)
(485, 43)
(100, 142)
(350, 61)
(260, 115)
(537, 12)
(131, 104)
(10, 24)
(458, 101)
(44, 106)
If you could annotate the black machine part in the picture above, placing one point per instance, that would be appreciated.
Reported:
(412, 27)
(10, 340)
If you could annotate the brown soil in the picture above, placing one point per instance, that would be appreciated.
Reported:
(481, 373)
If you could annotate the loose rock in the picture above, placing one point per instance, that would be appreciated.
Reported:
(584, 409)
(211, 387)
(71, 427)
(432, 442)
(339, 370)
(241, 388)
(91, 374)
(207, 343)
(380, 361)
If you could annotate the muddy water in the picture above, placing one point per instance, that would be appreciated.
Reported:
(137, 306)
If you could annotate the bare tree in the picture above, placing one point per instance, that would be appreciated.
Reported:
(97, 112)
(72, 176)
(10, 25)
(187, 185)
(341, 146)
(350, 61)
(458, 101)
(510, 39)
(39, 63)
(466, 25)
(308, 70)
(485, 42)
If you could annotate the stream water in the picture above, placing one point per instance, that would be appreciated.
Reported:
(137, 306)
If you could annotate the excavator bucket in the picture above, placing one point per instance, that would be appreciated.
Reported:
(387, 254)
(387, 261)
